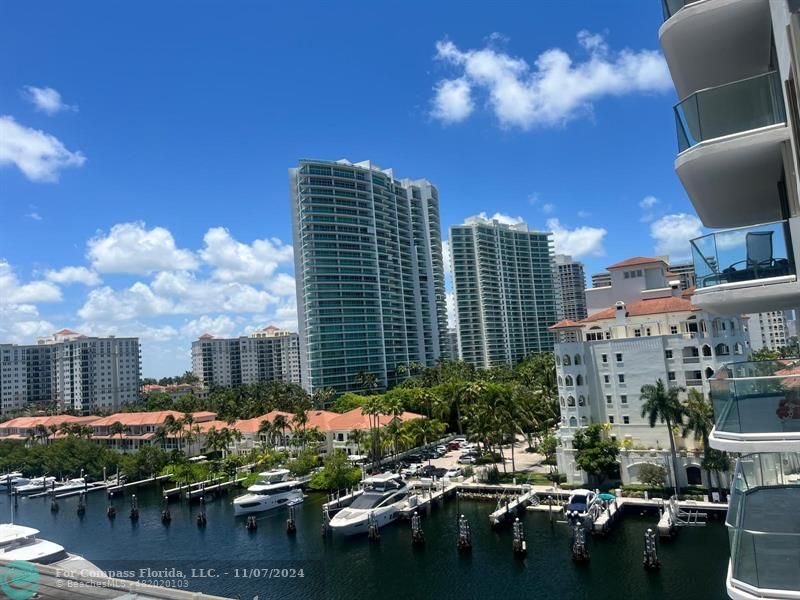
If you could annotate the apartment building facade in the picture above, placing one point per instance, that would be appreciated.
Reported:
(506, 296)
(269, 354)
(735, 64)
(768, 330)
(71, 372)
(369, 273)
(571, 281)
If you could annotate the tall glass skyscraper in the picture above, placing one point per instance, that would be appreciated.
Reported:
(369, 273)
(505, 292)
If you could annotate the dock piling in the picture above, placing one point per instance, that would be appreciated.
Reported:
(464, 535)
(82, 504)
(519, 544)
(166, 516)
(201, 516)
(650, 559)
(373, 532)
(291, 526)
(579, 551)
(417, 535)
(326, 520)
(134, 509)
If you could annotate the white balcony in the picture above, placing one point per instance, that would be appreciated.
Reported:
(710, 42)
(764, 528)
(757, 406)
(730, 142)
(748, 269)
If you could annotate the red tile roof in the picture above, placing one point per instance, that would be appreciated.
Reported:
(653, 306)
(565, 324)
(31, 422)
(324, 420)
(158, 417)
(66, 332)
(637, 260)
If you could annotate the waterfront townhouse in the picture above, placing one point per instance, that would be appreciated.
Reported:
(369, 274)
(41, 428)
(735, 64)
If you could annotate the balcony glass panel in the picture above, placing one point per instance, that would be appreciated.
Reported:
(743, 254)
(731, 108)
(764, 526)
(757, 397)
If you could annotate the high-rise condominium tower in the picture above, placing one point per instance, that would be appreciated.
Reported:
(269, 354)
(505, 293)
(571, 281)
(369, 272)
(71, 372)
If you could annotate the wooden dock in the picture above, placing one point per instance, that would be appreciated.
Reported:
(511, 505)
(197, 493)
(119, 489)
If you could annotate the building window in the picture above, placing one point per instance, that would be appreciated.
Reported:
(606, 379)
(637, 332)
(619, 357)
(604, 358)
(626, 420)
(671, 375)
(621, 377)
(623, 399)
(673, 329)
(668, 353)
(611, 419)
(608, 399)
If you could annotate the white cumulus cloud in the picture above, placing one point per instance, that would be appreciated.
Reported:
(132, 248)
(219, 326)
(14, 292)
(671, 234)
(446, 259)
(234, 261)
(452, 100)
(501, 218)
(69, 275)
(554, 90)
(46, 100)
(39, 155)
(581, 241)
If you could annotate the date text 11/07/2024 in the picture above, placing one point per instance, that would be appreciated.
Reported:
(249, 573)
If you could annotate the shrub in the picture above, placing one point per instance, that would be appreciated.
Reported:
(653, 475)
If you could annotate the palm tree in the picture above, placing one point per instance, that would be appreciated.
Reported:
(367, 381)
(280, 424)
(53, 429)
(662, 404)
(699, 421)
(300, 419)
(265, 433)
(117, 428)
(320, 398)
(356, 436)
(373, 408)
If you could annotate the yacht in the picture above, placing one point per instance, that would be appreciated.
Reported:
(20, 543)
(272, 489)
(578, 505)
(71, 485)
(383, 498)
(37, 484)
(12, 479)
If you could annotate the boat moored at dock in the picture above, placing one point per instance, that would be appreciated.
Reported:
(383, 500)
(20, 543)
(273, 489)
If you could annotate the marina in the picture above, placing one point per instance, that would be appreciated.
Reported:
(392, 567)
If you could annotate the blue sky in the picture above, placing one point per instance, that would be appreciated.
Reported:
(144, 146)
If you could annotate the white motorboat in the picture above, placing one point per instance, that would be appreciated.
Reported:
(71, 485)
(37, 484)
(578, 505)
(20, 543)
(273, 489)
(13, 479)
(383, 498)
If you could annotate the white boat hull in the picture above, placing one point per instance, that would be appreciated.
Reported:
(343, 524)
(255, 503)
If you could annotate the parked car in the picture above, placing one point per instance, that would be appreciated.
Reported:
(426, 471)
(411, 470)
(453, 445)
(441, 450)
(439, 472)
(454, 472)
(466, 459)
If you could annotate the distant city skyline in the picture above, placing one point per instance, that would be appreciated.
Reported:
(156, 204)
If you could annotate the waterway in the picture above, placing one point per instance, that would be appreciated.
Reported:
(231, 561)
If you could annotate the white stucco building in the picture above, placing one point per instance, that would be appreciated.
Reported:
(650, 331)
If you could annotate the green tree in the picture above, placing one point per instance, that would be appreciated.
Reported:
(654, 475)
(143, 463)
(336, 474)
(699, 422)
(660, 403)
(595, 453)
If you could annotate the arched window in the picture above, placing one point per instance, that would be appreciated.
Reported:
(706, 350)
(738, 348)
(571, 401)
(560, 381)
(583, 421)
(564, 420)
(709, 372)
(568, 381)
(732, 326)
(566, 360)
(722, 350)
(581, 400)
(563, 402)
(579, 380)
(558, 360)
(573, 422)
(577, 359)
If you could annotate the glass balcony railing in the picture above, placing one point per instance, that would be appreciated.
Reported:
(743, 254)
(670, 7)
(763, 523)
(757, 397)
(731, 108)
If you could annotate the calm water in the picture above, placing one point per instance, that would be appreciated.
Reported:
(693, 565)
